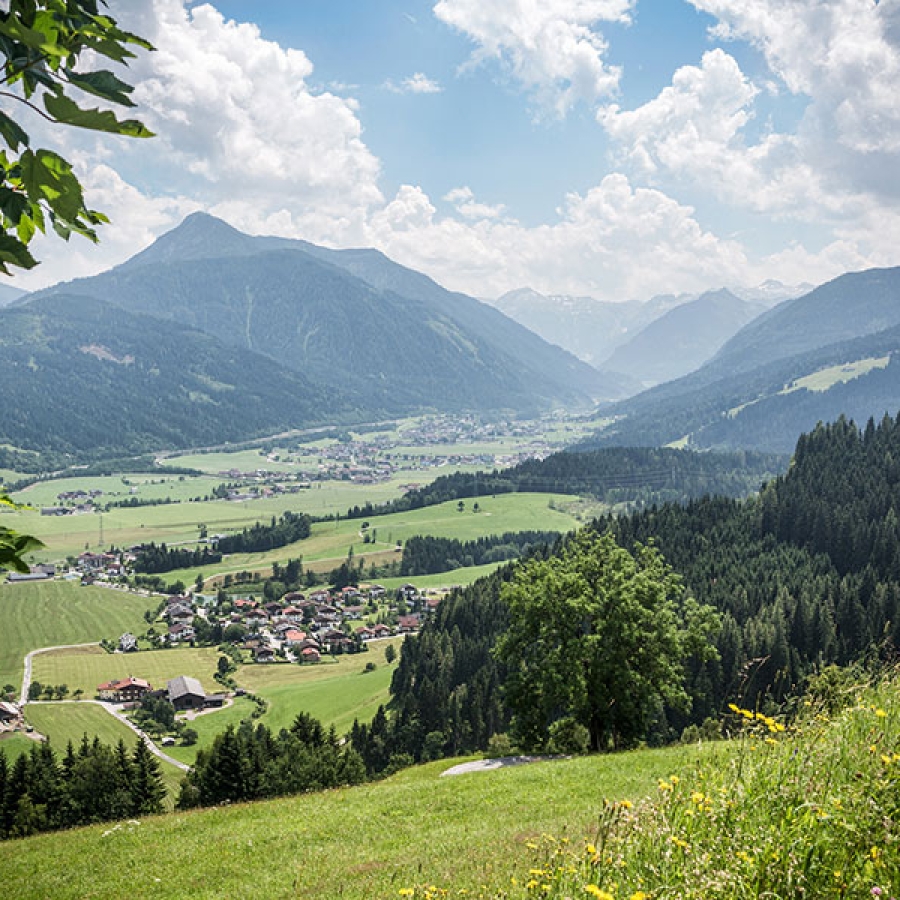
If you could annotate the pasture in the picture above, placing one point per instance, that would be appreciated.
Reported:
(45, 614)
(86, 667)
(330, 542)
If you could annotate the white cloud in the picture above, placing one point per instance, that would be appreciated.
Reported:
(463, 199)
(419, 83)
(550, 46)
(615, 242)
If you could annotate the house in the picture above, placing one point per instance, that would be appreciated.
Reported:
(293, 636)
(381, 630)
(264, 655)
(9, 713)
(185, 693)
(215, 701)
(128, 642)
(310, 655)
(408, 624)
(181, 632)
(124, 690)
(365, 634)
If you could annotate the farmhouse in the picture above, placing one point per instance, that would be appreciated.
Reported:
(9, 713)
(126, 690)
(185, 693)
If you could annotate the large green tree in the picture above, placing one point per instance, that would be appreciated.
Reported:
(599, 636)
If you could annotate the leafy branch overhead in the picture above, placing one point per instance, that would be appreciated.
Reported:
(42, 43)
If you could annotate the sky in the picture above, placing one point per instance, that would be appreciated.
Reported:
(616, 149)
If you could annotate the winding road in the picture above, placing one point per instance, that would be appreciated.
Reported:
(111, 708)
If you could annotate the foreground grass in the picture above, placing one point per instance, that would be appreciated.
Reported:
(45, 614)
(362, 842)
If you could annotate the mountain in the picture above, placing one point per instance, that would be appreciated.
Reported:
(389, 337)
(9, 294)
(89, 379)
(591, 329)
(834, 350)
(683, 338)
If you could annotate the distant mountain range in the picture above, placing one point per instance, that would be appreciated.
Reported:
(224, 321)
(650, 342)
(683, 338)
(832, 351)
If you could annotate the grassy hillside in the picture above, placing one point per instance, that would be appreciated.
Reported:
(52, 613)
(804, 811)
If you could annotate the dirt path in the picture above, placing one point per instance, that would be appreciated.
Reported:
(26, 677)
(110, 708)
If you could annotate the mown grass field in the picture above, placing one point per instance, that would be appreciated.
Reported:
(45, 614)
(330, 542)
(87, 667)
(364, 842)
(334, 692)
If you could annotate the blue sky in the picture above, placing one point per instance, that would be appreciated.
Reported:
(612, 148)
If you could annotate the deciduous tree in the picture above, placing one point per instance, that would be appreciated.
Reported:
(600, 637)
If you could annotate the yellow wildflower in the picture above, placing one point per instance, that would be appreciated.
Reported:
(597, 892)
(880, 713)
(406, 892)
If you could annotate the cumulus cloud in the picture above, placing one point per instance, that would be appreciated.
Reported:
(419, 83)
(463, 199)
(551, 47)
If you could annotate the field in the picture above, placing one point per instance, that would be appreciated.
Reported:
(360, 842)
(330, 542)
(799, 809)
(334, 692)
(87, 667)
(46, 614)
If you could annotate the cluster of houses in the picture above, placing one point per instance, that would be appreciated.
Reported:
(299, 627)
(183, 692)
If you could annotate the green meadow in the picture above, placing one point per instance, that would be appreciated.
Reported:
(330, 542)
(86, 667)
(807, 808)
(46, 614)
(361, 842)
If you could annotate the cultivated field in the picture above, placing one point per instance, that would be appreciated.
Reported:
(45, 614)
(87, 667)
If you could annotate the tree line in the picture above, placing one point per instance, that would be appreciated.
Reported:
(636, 475)
(93, 783)
(424, 555)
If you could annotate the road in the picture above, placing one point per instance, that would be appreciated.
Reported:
(111, 708)
(26, 677)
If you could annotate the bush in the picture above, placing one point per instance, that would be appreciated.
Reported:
(568, 737)
(499, 745)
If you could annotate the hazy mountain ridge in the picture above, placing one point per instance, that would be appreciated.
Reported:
(782, 373)
(683, 338)
(398, 350)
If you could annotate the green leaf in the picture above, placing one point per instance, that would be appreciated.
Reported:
(102, 84)
(14, 546)
(11, 132)
(15, 253)
(48, 176)
(67, 112)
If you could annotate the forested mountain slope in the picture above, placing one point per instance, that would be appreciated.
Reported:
(806, 574)
(89, 379)
(349, 319)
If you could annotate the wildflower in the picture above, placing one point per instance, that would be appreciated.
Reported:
(876, 891)
(880, 713)
(597, 892)
(626, 804)
(406, 892)
(639, 895)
